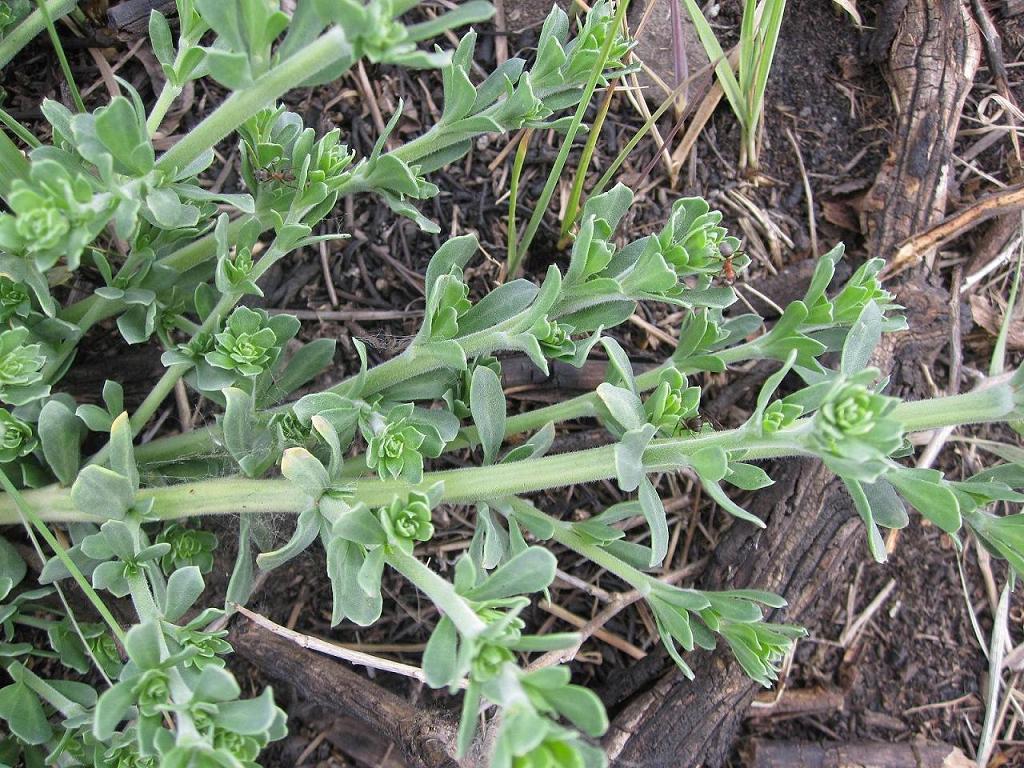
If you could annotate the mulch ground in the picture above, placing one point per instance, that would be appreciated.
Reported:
(905, 666)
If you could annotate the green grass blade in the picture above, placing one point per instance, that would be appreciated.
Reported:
(574, 127)
(513, 200)
(748, 48)
(726, 77)
(76, 95)
(998, 363)
(642, 131)
(30, 519)
(19, 130)
(576, 193)
(770, 28)
(13, 164)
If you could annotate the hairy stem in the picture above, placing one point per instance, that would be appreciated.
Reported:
(990, 403)
(241, 105)
(441, 592)
(244, 496)
(32, 25)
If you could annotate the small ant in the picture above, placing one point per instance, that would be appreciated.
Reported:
(263, 175)
(694, 424)
(728, 273)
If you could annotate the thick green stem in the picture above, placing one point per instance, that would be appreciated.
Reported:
(204, 441)
(163, 103)
(440, 592)
(95, 312)
(414, 361)
(243, 104)
(157, 395)
(242, 496)
(34, 23)
(585, 406)
(567, 537)
(992, 403)
(142, 597)
(230, 496)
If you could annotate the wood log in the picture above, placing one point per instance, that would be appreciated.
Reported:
(425, 737)
(819, 700)
(932, 60)
(131, 18)
(352, 737)
(662, 719)
(761, 753)
(810, 531)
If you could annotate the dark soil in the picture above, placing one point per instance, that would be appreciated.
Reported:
(916, 668)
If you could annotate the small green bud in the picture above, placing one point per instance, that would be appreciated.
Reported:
(42, 228)
(406, 521)
(553, 752)
(20, 364)
(672, 404)
(243, 748)
(585, 50)
(555, 339)
(104, 649)
(203, 715)
(330, 160)
(188, 547)
(14, 299)
(394, 451)
(851, 413)
(382, 35)
(489, 660)
(209, 647)
(457, 397)
(452, 305)
(293, 431)
(239, 268)
(779, 415)
(153, 692)
(863, 287)
(246, 345)
(16, 438)
(127, 756)
(852, 429)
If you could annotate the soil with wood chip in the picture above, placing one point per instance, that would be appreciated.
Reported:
(894, 671)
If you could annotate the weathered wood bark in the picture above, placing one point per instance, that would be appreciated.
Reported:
(818, 700)
(810, 532)
(425, 737)
(805, 754)
(812, 535)
(131, 18)
(932, 57)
